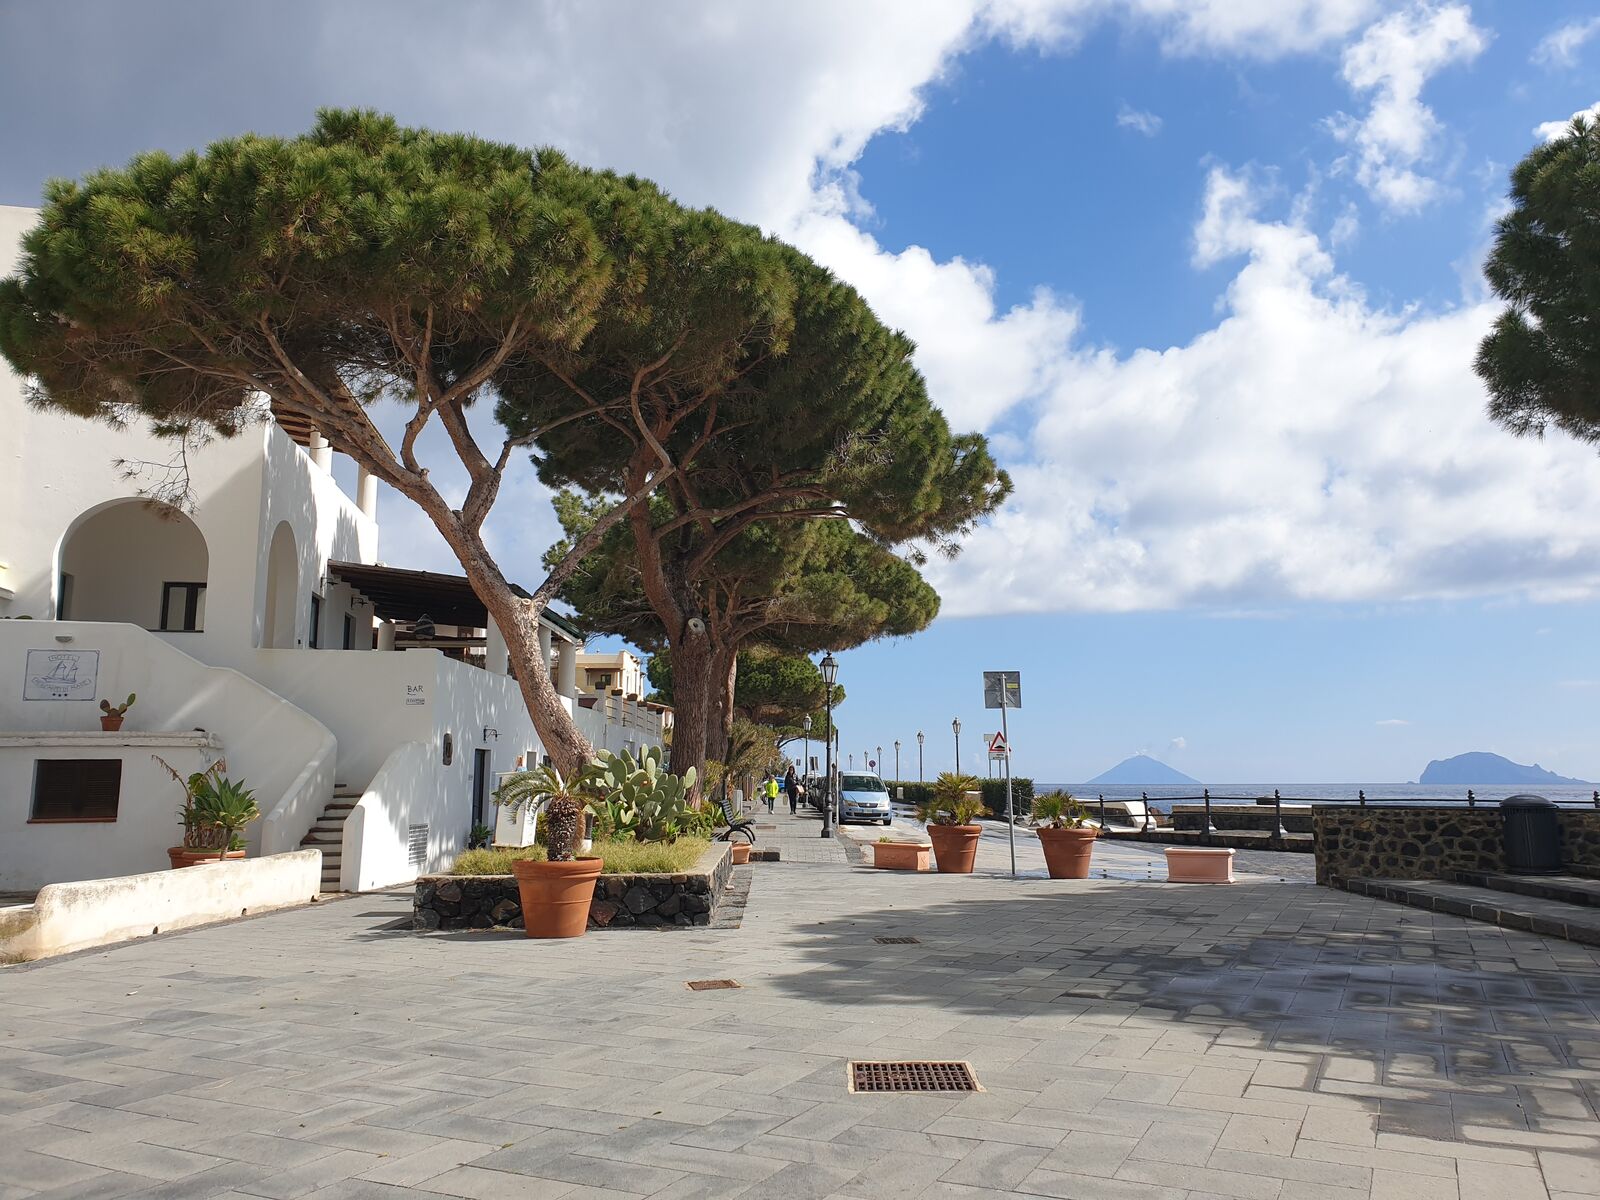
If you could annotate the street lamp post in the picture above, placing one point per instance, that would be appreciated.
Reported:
(897, 759)
(830, 673)
(921, 737)
(956, 727)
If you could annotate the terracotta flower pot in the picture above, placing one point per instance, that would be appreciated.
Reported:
(900, 856)
(741, 852)
(1067, 851)
(955, 847)
(556, 895)
(111, 724)
(1213, 864)
(184, 856)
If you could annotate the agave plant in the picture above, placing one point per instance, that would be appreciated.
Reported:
(641, 797)
(225, 806)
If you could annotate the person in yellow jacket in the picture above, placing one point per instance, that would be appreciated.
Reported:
(770, 789)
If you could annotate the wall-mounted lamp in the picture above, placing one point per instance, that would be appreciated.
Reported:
(490, 733)
(64, 638)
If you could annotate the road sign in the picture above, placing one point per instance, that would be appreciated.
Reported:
(1002, 689)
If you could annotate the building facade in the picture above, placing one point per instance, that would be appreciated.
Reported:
(368, 707)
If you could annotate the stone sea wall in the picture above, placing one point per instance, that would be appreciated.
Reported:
(1431, 842)
(1191, 818)
(620, 901)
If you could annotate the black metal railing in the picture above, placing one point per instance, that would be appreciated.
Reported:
(1362, 800)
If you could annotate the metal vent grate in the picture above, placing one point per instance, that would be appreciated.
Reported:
(712, 985)
(417, 845)
(913, 1077)
(898, 941)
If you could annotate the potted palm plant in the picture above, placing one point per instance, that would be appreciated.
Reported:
(1064, 832)
(951, 813)
(555, 894)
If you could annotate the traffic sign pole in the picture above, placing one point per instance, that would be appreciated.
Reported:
(1011, 819)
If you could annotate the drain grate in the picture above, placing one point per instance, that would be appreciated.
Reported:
(712, 985)
(913, 1077)
(898, 941)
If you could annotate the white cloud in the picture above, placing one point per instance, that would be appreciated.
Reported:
(1560, 47)
(1178, 743)
(1392, 62)
(1549, 131)
(1393, 721)
(1138, 120)
(1263, 29)
(1579, 683)
(1311, 446)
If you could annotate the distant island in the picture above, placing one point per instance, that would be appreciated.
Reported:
(1480, 767)
(1141, 771)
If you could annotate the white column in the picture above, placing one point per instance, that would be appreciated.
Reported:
(367, 493)
(321, 452)
(567, 670)
(385, 635)
(495, 653)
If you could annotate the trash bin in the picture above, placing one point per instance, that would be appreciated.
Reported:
(1532, 835)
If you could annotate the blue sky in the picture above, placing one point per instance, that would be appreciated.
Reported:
(1206, 273)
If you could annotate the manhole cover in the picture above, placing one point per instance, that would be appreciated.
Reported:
(898, 941)
(712, 985)
(912, 1077)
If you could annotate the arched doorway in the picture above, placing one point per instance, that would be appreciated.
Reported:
(283, 590)
(137, 561)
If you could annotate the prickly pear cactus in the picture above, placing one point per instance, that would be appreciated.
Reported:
(651, 802)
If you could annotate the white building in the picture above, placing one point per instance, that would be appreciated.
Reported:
(258, 626)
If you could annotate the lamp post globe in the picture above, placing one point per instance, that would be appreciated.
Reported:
(955, 727)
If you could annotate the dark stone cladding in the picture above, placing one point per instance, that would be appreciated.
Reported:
(1228, 817)
(1432, 842)
(620, 901)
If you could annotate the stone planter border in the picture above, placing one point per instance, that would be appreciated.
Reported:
(644, 901)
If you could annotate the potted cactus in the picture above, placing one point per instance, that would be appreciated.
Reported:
(951, 813)
(1065, 834)
(111, 714)
(555, 894)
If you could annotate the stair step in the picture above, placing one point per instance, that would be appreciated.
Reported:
(1573, 889)
(336, 828)
(340, 806)
(1531, 914)
(346, 794)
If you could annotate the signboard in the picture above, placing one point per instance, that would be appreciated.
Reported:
(1002, 689)
(61, 675)
(416, 695)
(998, 747)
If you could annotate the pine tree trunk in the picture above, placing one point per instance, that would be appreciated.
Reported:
(719, 730)
(693, 686)
(518, 622)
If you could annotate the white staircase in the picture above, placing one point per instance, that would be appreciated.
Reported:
(327, 834)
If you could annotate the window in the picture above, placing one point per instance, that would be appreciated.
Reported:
(76, 789)
(602, 682)
(316, 620)
(183, 607)
(349, 632)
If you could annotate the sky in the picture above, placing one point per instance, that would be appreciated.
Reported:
(1206, 272)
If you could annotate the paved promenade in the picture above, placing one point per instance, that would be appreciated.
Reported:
(1135, 1040)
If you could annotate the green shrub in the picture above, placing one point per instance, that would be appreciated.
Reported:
(621, 857)
(951, 803)
(994, 796)
(915, 793)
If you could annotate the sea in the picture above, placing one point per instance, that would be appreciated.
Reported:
(1162, 798)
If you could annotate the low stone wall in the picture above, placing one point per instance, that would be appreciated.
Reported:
(101, 912)
(620, 901)
(1431, 842)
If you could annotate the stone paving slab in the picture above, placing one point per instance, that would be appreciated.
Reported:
(1135, 1040)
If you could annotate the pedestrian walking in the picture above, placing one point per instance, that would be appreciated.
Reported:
(772, 792)
(791, 785)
